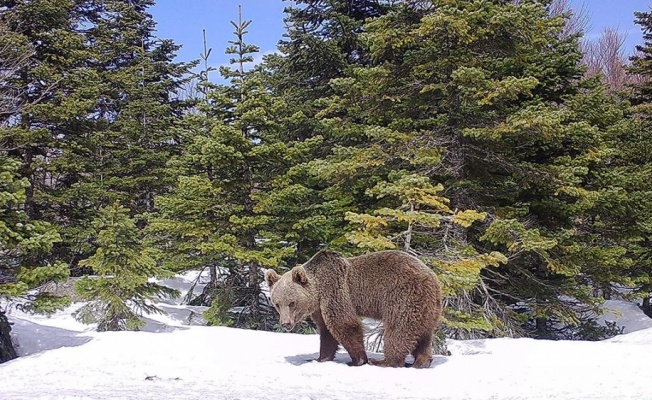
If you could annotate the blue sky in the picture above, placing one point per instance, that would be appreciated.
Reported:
(183, 21)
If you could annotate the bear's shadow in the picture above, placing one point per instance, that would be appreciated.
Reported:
(343, 358)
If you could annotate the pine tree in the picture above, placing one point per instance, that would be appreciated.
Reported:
(121, 291)
(211, 219)
(24, 242)
(485, 98)
(323, 40)
(118, 150)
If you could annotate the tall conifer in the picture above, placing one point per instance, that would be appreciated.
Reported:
(322, 42)
(118, 150)
(211, 217)
(485, 98)
(25, 243)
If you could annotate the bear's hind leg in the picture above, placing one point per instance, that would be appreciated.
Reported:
(423, 352)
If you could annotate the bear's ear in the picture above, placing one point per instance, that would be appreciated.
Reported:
(271, 277)
(299, 275)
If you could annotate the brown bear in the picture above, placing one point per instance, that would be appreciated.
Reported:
(391, 286)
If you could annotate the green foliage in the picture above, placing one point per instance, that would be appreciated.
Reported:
(123, 266)
(628, 195)
(463, 132)
(22, 241)
(96, 125)
(218, 313)
(421, 222)
(484, 98)
(210, 217)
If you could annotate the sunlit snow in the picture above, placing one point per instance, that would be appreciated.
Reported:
(62, 359)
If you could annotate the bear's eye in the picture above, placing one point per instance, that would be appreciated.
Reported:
(276, 305)
(292, 304)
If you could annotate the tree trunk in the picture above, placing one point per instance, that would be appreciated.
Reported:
(213, 276)
(647, 307)
(542, 328)
(7, 351)
(606, 291)
(255, 294)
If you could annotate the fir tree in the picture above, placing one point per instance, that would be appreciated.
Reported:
(211, 218)
(119, 149)
(121, 291)
(485, 98)
(24, 242)
(103, 128)
(506, 113)
(323, 40)
(627, 178)
(415, 218)
(60, 87)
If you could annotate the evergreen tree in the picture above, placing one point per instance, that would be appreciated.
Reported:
(323, 40)
(415, 218)
(103, 128)
(627, 178)
(60, 87)
(121, 291)
(119, 149)
(485, 98)
(642, 63)
(24, 242)
(211, 219)
(97, 125)
(509, 114)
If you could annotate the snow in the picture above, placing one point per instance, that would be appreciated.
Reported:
(171, 359)
(626, 314)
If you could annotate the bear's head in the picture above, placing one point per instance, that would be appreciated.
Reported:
(293, 294)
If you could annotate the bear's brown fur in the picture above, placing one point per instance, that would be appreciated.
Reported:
(391, 286)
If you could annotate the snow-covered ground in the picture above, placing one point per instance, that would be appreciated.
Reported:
(626, 315)
(62, 359)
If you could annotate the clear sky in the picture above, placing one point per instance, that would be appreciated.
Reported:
(617, 14)
(183, 21)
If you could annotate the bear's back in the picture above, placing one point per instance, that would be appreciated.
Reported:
(389, 280)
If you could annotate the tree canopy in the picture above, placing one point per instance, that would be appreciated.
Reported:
(471, 134)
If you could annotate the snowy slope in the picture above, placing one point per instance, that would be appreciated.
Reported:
(192, 362)
(626, 315)
(172, 359)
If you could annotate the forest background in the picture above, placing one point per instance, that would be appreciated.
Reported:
(489, 138)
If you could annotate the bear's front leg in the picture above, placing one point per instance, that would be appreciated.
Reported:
(327, 343)
(353, 342)
(347, 330)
